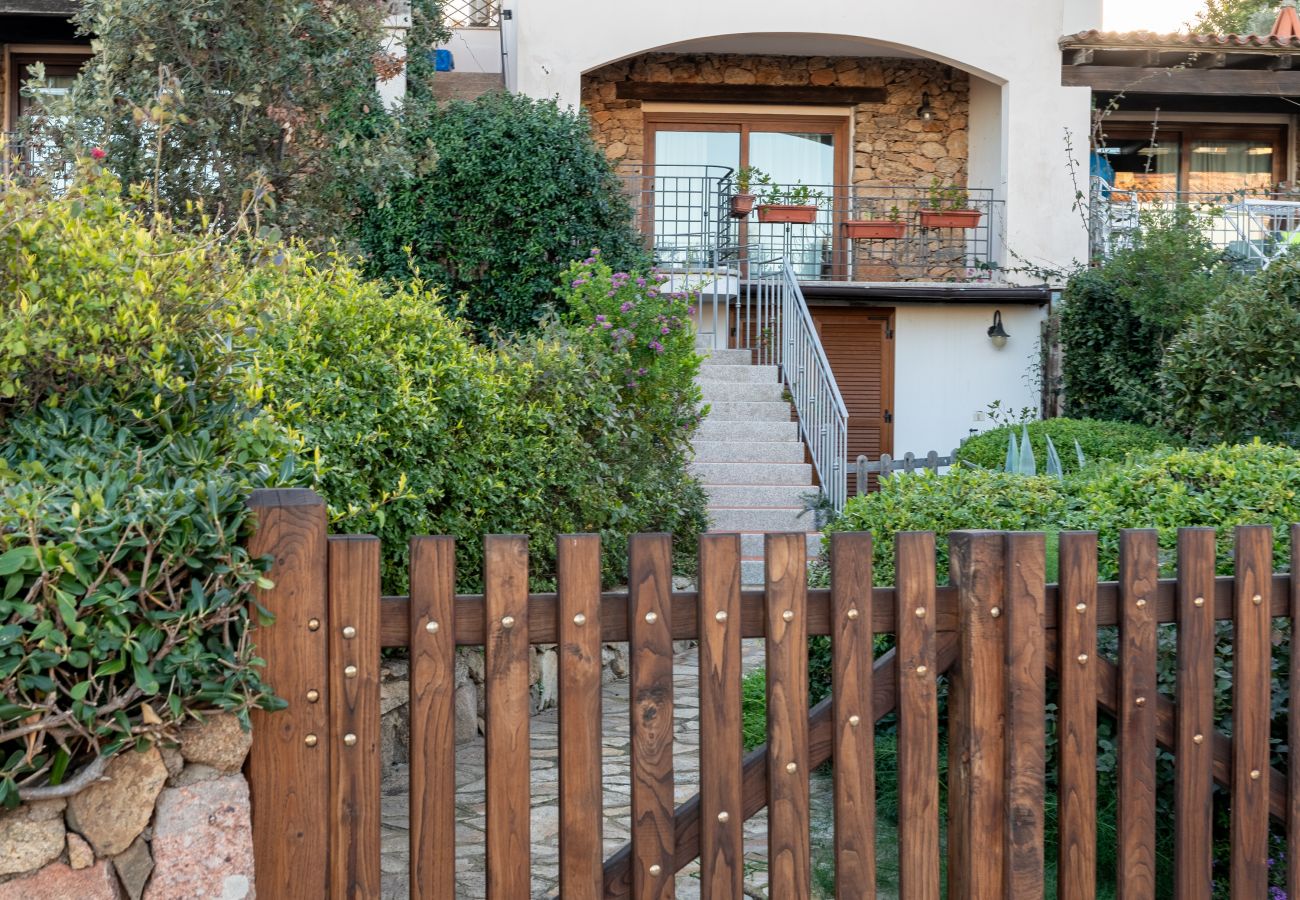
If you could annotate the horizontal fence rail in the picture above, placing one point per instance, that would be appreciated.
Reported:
(907, 464)
(990, 640)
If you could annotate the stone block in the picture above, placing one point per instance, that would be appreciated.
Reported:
(110, 814)
(203, 842)
(31, 836)
(58, 881)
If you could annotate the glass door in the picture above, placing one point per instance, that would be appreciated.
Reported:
(688, 166)
(792, 158)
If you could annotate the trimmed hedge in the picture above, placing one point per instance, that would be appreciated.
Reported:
(1100, 441)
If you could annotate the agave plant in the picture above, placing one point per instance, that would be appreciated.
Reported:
(1021, 460)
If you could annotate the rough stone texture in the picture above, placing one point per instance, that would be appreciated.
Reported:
(219, 741)
(31, 836)
(173, 760)
(79, 853)
(133, 868)
(203, 842)
(62, 882)
(111, 814)
(891, 146)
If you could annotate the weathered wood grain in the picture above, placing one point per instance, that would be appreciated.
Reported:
(1026, 677)
(1077, 614)
(1194, 753)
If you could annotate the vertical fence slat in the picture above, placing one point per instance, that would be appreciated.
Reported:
(721, 816)
(1137, 715)
(1194, 754)
(288, 765)
(1076, 618)
(505, 561)
(852, 719)
(1293, 730)
(1251, 692)
(354, 715)
(433, 722)
(581, 763)
(918, 719)
(788, 845)
(1026, 699)
(650, 632)
(976, 715)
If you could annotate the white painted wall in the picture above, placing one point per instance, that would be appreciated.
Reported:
(1009, 44)
(947, 371)
(475, 49)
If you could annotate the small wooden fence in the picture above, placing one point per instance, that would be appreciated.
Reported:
(997, 631)
(909, 463)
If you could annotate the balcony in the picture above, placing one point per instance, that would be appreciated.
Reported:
(471, 13)
(841, 233)
(1251, 228)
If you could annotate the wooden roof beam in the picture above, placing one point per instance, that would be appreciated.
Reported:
(1209, 82)
(1082, 56)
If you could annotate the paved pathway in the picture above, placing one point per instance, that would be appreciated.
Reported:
(545, 813)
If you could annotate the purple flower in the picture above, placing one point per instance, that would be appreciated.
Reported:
(656, 347)
(640, 282)
(1276, 893)
(642, 370)
(663, 330)
(579, 282)
(627, 304)
(606, 324)
(600, 318)
(690, 310)
(595, 251)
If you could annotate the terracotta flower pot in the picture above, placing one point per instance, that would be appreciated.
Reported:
(784, 212)
(741, 205)
(951, 218)
(874, 229)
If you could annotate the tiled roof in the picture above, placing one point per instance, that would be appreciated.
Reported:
(1149, 40)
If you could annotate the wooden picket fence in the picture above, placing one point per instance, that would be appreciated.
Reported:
(996, 633)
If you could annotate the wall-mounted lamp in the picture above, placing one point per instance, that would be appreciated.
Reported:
(997, 334)
(926, 112)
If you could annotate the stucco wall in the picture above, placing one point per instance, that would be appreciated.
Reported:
(890, 145)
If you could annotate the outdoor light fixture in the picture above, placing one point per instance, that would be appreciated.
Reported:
(926, 112)
(997, 334)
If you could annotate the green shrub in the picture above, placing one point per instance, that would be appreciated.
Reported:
(507, 191)
(1117, 319)
(962, 499)
(1100, 441)
(420, 430)
(130, 439)
(1246, 484)
(1234, 371)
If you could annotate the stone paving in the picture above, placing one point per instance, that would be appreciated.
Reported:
(544, 729)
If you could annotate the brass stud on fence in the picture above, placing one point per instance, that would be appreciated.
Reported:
(1257, 599)
(1198, 739)
(921, 670)
(1141, 602)
(1081, 607)
(313, 695)
(350, 672)
(1082, 658)
(580, 619)
(855, 721)
(349, 632)
(920, 612)
(792, 767)
(995, 612)
(313, 624)
(724, 817)
(720, 615)
(507, 622)
(651, 618)
(431, 627)
(656, 869)
(1199, 601)
(350, 739)
(310, 740)
(788, 615)
(1255, 774)
(853, 613)
(1140, 701)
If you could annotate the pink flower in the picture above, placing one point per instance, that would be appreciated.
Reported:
(97, 153)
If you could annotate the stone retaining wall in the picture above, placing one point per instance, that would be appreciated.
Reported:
(169, 823)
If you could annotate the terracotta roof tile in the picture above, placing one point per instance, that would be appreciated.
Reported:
(1191, 42)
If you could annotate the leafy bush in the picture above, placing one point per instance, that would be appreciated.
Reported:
(1100, 441)
(421, 431)
(506, 191)
(1117, 319)
(1234, 371)
(130, 440)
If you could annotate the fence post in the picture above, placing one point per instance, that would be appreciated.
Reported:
(977, 718)
(288, 765)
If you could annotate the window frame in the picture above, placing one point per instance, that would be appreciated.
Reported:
(1187, 133)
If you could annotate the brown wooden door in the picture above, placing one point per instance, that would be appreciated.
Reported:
(859, 345)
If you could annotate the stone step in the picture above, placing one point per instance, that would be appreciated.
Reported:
(799, 474)
(465, 85)
(767, 519)
(750, 411)
(733, 391)
(728, 358)
(748, 452)
(776, 496)
(712, 429)
(736, 373)
(751, 545)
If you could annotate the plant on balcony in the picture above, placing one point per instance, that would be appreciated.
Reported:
(888, 228)
(949, 207)
(793, 204)
(742, 202)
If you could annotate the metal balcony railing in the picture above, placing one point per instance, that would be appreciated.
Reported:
(1251, 228)
(27, 157)
(471, 13)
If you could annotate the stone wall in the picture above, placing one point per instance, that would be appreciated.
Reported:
(169, 823)
(891, 145)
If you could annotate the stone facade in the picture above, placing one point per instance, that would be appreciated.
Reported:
(891, 145)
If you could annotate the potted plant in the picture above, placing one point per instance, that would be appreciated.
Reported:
(742, 202)
(889, 228)
(949, 208)
(794, 204)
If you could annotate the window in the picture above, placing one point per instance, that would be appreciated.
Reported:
(61, 70)
(1204, 159)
